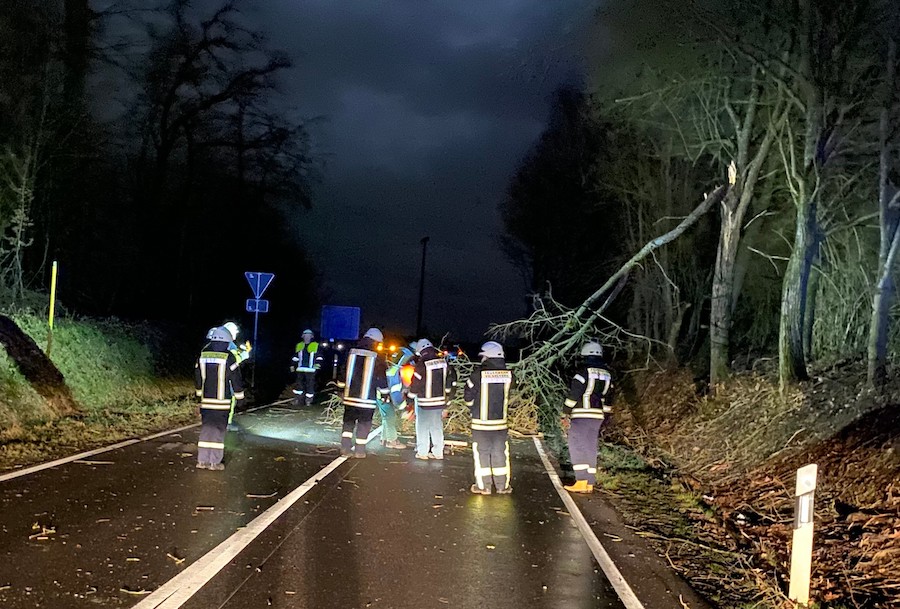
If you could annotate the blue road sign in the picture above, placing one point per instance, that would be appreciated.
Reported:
(259, 282)
(340, 323)
(257, 306)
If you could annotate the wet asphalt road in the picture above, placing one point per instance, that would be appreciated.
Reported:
(388, 531)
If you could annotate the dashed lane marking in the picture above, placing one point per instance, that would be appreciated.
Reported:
(178, 590)
(626, 594)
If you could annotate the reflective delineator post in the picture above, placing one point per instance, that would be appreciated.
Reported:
(801, 548)
(52, 315)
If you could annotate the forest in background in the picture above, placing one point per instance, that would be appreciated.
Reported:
(792, 107)
(147, 149)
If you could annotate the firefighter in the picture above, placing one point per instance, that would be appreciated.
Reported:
(308, 360)
(432, 382)
(365, 378)
(241, 354)
(218, 382)
(587, 407)
(389, 408)
(487, 395)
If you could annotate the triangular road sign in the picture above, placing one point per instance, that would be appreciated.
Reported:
(259, 282)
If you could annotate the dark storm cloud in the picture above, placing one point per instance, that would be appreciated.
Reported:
(428, 106)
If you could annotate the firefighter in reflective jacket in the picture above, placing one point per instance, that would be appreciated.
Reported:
(432, 382)
(241, 354)
(308, 360)
(588, 405)
(218, 381)
(487, 395)
(364, 379)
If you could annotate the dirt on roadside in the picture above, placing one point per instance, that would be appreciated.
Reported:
(711, 479)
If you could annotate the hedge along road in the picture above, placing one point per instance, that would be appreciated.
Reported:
(387, 531)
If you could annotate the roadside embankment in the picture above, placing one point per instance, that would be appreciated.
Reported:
(710, 479)
(126, 380)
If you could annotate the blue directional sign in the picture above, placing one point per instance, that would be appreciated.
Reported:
(256, 305)
(340, 323)
(259, 282)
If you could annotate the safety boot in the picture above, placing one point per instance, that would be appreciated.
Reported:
(202, 465)
(217, 466)
(504, 491)
(580, 486)
(480, 491)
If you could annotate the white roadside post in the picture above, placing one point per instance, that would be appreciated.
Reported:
(801, 549)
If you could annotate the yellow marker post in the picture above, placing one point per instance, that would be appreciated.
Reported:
(52, 315)
(801, 548)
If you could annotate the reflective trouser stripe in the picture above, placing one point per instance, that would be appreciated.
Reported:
(347, 434)
(592, 470)
(215, 406)
(580, 466)
(362, 441)
(504, 471)
(480, 472)
(213, 445)
(397, 387)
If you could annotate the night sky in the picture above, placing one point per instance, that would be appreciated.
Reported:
(427, 107)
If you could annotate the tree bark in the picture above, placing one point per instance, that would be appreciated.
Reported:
(889, 233)
(722, 286)
(37, 368)
(791, 354)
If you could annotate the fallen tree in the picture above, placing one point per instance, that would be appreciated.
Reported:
(37, 368)
(558, 332)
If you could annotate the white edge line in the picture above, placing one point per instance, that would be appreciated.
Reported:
(182, 587)
(626, 594)
(97, 451)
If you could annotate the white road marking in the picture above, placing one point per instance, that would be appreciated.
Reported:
(98, 451)
(629, 598)
(178, 590)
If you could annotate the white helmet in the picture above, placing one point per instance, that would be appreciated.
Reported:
(220, 334)
(232, 329)
(592, 348)
(375, 334)
(422, 344)
(307, 331)
(491, 349)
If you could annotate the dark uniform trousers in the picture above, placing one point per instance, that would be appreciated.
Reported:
(361, 419)
(211, 446)
(490, 450)
(583, 435)
(306, 385)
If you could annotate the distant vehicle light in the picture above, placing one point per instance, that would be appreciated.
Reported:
(380, 347)
(406, 374)
(393, 348)
(340, 346)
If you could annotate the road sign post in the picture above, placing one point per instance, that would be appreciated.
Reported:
(259, 282)
(801, 548)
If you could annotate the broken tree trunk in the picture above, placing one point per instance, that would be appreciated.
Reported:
(581, 320)
(37, 368)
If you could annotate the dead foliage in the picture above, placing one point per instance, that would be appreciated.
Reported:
(737, 452)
